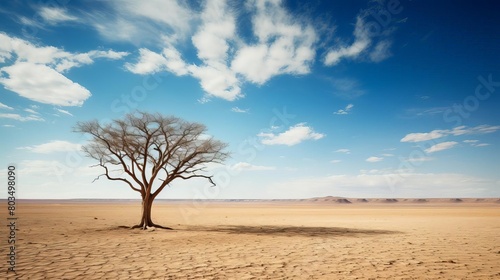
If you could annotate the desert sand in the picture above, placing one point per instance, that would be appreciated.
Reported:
(313, 239)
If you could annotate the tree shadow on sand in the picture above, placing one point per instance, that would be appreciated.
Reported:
(294, 231)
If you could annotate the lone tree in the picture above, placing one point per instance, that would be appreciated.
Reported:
(149, 151)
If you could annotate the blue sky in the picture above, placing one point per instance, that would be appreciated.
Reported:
(342, 98)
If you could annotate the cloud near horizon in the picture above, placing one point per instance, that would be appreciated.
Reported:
(245, 166)
(53, 147)
(391, 183)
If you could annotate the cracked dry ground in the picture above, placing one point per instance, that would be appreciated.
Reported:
(82, 241)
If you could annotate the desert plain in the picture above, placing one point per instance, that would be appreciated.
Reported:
(322, 238)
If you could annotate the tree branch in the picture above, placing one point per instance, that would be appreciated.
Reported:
(113, 178)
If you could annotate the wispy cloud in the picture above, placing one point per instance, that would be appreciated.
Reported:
(374, 159)
(460, 130)
(239, 110)
(344, 111)
(133, 21)
(420, 159)
(5, 107)
(54, 15)
(18, 117)
(293, 136)
(367, 44)
(45, 167)
(245, 166)
(347, 88)
(475, 143)
(481, 145)
(53, 147)
(424, 112)
(63, 112)
(381, 51)
(343, 151)
(441, 147)
(31, 111)
(361, 42)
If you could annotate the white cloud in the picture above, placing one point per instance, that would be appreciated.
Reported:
(381, 51)
(475, 143)
(419, 137)
(361, 42)
(481, 145)
(36, 72)
(441, 146)
(5, 107)
(218, 81)
(420, 159)
(140, 22)
(43, 167)
(51, 56)
(172, 13)
(336, 161)
(293, 136)
(344, 151)
(55, 15)
(216, 30)
(371, 43)
(239, 110)
(481, 129)
(245, 166)
(31, 111)
(344, 111)
(8, 125)
(149, 62)
(374, 159)
(63, 111)
(32, 22)
(53, 146)
(18, 117)
(457, 131)
(43, 84)
(285, 45)
(211, 42)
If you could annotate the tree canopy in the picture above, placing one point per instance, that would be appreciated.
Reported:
(149, 151)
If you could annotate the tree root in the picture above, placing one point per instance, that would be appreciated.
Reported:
(143, 227)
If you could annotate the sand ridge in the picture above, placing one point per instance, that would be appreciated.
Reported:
(259, 241)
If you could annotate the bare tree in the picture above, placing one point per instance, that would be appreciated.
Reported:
(149, 151)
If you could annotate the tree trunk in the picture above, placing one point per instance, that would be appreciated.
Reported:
(146, 220)
(147, 204)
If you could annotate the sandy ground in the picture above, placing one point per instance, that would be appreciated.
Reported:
(257, 241)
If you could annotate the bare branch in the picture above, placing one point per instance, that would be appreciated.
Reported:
(151, 148)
